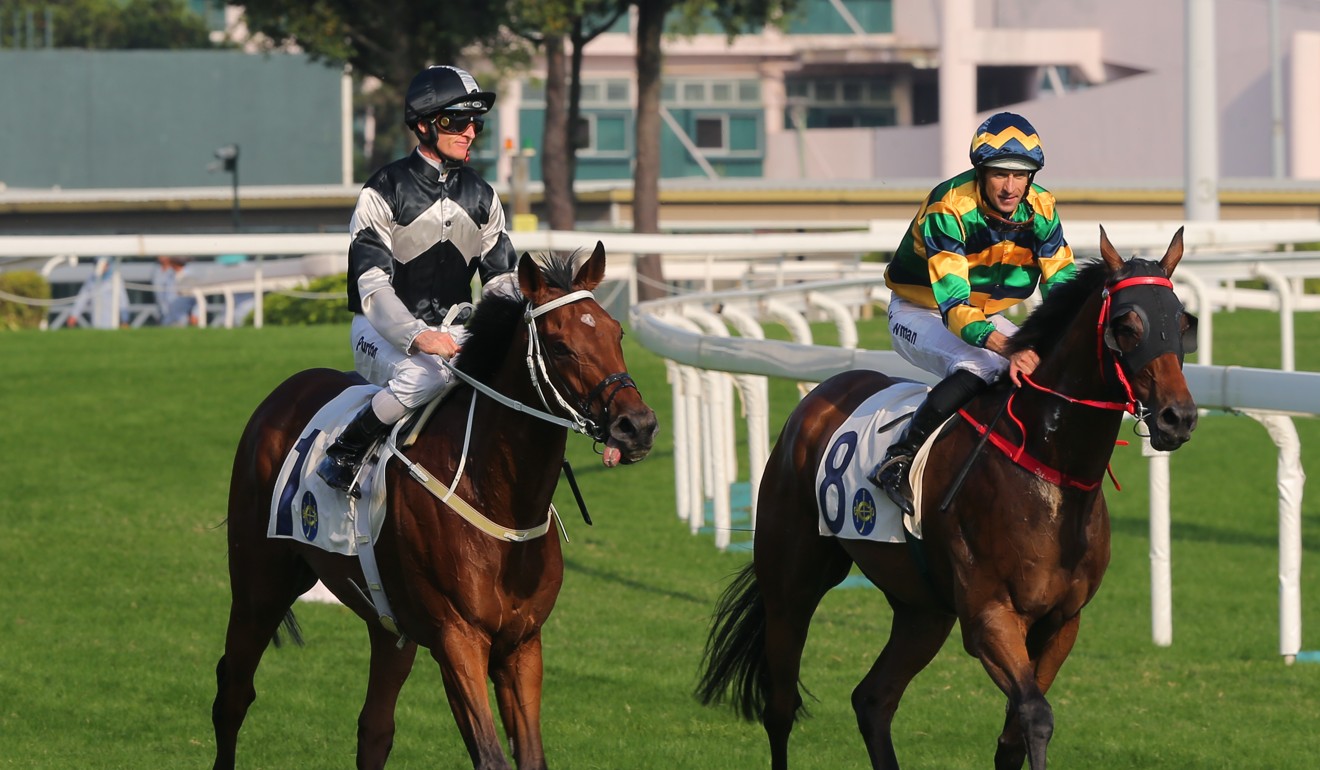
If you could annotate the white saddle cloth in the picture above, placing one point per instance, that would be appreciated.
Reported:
(303, 508)
(849, 506)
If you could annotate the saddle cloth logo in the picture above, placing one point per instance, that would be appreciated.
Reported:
(849, 505)
(303, 508)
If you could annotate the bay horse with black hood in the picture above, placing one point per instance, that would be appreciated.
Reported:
(1018, 550)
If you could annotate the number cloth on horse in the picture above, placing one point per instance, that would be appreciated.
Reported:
(851, 507)
(303, 507)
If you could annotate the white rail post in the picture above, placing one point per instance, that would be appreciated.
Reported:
(1291, 480)
(1161, 569)
(755, 391)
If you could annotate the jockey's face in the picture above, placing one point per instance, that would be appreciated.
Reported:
(455, 134)
(1004, 188)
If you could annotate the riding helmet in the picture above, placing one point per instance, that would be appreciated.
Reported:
(1007, 141)
(439, 88)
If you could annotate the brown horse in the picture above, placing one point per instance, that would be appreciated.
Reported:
(477, 602)
(1020, 547)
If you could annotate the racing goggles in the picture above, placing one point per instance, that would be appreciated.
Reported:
(457, 124)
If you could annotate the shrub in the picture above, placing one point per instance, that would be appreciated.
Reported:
(21, 315)
(285, 310)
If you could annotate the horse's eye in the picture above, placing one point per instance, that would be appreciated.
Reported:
(559, 349)
(1126, 331)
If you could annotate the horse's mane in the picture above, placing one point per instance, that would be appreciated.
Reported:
(1049, 322)
(491, 328)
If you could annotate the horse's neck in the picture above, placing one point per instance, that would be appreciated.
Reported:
(1076, 438)
(514, 448)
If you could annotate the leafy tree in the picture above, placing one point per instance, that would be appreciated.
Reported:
(390, 39)
(102, 24)
(15, 312)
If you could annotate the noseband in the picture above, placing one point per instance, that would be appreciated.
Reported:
(584, 420)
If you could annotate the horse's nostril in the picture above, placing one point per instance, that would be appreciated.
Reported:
(635, 429)
(1178, 419)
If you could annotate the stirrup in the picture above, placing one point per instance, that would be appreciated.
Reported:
(339, 476)
(891, 476)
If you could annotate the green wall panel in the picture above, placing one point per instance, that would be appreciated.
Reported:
(110, 119)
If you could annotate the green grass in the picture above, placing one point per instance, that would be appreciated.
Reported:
(115, 450)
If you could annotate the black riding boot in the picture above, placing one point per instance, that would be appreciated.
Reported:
(345, 456)
(947, 397)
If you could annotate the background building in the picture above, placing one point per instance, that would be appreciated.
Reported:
(852, 110)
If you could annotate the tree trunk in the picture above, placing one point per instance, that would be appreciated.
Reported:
(646, 173)
(556, 141)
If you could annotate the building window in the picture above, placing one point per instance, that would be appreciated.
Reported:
(603, 133)
(611, 92)
(710, 133)
(845, 102)
(711, 92)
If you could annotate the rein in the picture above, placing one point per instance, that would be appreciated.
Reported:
(1018, 452)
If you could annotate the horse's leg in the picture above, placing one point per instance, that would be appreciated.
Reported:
(464, 658)
(915, 636)
(1053, 650)
(264, 583)
(517, 678)
(998, 637)
(798, 573)
(390, 667)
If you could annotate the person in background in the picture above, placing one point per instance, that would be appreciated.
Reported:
(980, 243)
(422, 227)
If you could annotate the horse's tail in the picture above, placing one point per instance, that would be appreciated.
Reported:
(734, 662)
(291, 627)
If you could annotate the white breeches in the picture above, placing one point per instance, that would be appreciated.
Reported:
(921, 338)
(413, 380)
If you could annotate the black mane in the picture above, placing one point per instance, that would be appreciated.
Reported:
(1049, 322)
(496, 320)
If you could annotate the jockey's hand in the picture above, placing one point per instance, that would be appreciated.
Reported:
(1022, 362)
(437, 343)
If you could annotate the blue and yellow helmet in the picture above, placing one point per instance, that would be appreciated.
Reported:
(1008, 141)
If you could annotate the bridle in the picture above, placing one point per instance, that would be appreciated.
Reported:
(1148, 348)
(596, 429)
(580, 415)
(580, 412)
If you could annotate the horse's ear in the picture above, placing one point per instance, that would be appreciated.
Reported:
(1174, 254)
(592, 271)
(1108, 251)
(529, 277)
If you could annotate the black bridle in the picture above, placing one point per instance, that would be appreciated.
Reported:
(586, 420)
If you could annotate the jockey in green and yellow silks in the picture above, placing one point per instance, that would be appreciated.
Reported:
(980, 243)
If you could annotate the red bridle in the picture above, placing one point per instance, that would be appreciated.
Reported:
(1018, 452)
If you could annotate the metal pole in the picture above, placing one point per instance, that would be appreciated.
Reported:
(237, 224)
(1202, 126)
(1276, 90)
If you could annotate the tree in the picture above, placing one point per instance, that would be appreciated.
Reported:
(102, 25)
(557, 26)
(735, 17)
(390, 39)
